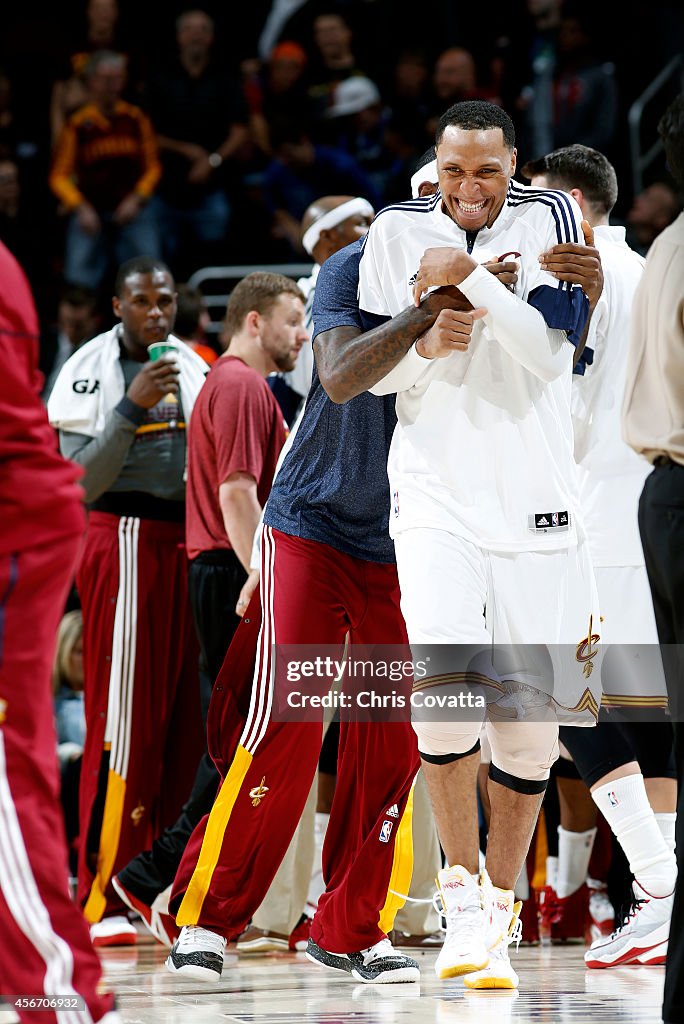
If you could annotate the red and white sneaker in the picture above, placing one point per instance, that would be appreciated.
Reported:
(113, 931)
(642, 936)
(530, 922)
(156, 917)
(299, 936)
(601, 912)
(564, 920)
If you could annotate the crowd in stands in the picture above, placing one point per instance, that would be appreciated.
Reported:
(168, 132)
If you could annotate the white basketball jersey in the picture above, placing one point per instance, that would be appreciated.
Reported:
(483, 446)
(611, 474)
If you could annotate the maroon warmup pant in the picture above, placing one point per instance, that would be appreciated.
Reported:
(143, 724)
(311, 594)
(45, 947)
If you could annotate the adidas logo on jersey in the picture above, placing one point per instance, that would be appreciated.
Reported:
(393, 811)
(543, 521)
(413, 279)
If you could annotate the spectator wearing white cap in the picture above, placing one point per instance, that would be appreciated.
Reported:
(356, 124)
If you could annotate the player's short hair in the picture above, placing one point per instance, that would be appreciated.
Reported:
(671, 131)
(476, 115)
(138, 265)
(580, 167)
(258, 292)
(189, 305)
(427, 158)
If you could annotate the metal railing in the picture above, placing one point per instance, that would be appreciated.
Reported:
(216, 301)
(640, 160)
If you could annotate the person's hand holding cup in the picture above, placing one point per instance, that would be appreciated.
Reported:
(158, 378)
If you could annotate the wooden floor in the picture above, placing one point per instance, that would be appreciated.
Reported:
(555, 988)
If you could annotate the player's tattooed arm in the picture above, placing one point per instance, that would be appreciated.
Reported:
(350, 362)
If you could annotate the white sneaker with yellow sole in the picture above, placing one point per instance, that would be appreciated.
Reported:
(464, 949)
(505, 928)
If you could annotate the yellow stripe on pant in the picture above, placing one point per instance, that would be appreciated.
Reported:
(198, 886)
(402, 868)
(109, 844)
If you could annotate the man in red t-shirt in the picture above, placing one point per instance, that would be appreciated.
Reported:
(234, 440)
(46, 949)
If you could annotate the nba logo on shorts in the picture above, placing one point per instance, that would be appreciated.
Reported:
(395, 502)
(554, 519)
(385, 831)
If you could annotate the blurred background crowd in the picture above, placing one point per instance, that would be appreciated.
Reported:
(201, 134)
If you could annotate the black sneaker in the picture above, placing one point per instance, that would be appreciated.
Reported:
(378, 965)
(197, 953)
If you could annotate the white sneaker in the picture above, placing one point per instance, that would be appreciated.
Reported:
(464, 948)
(601, 913)
(113, 931)
(505, 928)
(197, 953)
(642, 936)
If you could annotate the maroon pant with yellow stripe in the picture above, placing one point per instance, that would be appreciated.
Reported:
(144, 732)
(310, 594)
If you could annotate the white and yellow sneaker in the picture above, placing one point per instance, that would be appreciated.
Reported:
(505, 928)
(464, 949)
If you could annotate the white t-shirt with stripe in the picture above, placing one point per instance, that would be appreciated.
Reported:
(484, 446)
(611, 474)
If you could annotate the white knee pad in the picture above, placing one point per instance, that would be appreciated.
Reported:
(522, 753)
(441, 742)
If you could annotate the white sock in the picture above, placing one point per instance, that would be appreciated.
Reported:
(522, 886)
(552, 871)
(666, 823)
(624, 804)
(574, 853)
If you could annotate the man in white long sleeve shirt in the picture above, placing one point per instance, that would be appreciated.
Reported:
(484, 503)
(627, 765)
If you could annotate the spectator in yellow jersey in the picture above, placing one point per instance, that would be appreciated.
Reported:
(105, 170)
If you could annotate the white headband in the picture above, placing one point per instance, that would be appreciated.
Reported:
(334, 217)
(427, 173)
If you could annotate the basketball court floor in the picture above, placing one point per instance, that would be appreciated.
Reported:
(555, 988)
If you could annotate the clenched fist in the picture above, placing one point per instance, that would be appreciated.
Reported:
(450, 332)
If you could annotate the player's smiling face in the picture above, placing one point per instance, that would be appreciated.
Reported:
(475, 167)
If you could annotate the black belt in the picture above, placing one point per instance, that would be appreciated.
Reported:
(664, 460)
(141, 505)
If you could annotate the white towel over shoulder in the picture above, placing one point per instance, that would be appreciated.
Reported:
(91, 383)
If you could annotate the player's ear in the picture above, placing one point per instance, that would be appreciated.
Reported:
(578, 195)
(514, 160)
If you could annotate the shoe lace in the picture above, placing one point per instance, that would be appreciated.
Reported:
(465, 917)
(628, 912)
(193, 937)
(382, 948)
(549, 906)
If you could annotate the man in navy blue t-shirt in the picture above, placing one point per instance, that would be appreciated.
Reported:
(327, 571)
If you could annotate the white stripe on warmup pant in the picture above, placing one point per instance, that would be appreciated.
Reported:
(266, 715)
(132, 638)
(119, 706)
(23, 899)
(262, 670)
